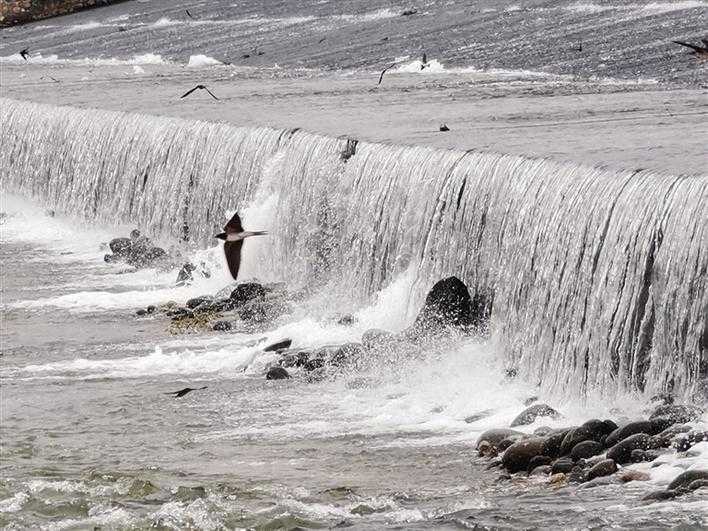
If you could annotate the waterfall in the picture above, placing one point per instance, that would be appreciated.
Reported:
(598, 277)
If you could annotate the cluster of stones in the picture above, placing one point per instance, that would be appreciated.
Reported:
(137, 251)
(14, 12)
(597, 451)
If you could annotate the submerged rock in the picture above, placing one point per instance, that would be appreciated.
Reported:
(277, 373)
(518, 456)
(621, 453)
(530, 414)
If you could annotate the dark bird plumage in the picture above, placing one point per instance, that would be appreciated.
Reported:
(188, 13)
(424, 63)
(444, 127)
(697, 49)
(384, 71)
(182, 392)
(24, 53)
(198, 87)
(233, 237)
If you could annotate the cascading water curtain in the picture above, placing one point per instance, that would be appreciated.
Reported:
(597, 278)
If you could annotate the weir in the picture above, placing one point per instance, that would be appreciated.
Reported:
(598, 277)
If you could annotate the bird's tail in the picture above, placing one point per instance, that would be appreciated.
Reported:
(687, 45)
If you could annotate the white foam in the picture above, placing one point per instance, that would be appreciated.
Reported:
(138, 59)
(379, 14)
(14, 503)
(202, 60)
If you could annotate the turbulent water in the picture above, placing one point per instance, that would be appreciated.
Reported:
(597, 277)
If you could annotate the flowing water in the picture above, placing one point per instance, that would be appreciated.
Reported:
(598, 274)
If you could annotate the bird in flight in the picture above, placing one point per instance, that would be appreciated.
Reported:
(24, 53)
(384, 71)
(233, 237)
(424, 63)
(182, 392)
(701, 51)
(188, 13)
(198, 87)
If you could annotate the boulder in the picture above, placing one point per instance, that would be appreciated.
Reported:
(563, 465)
(621, 452)
(120, 246)
(495, 436)
(683, 480)
(518, 456)
(530, 414)
(586, 449)
(449, 305)
(280, 345)
(198, 301)
(649, 427)
(605, 467)
(539, 460)
(554, 441)
(660, 495)
(698, 484)
(246, 292)
(542, 470)
(592, 430)
(690, 439)
(277, 373)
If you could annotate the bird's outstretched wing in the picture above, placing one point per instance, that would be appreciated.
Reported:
(188, 92)
(687, 45)
(234, 224)
(384, 71)
(188, 13)
(210, 94)
(425, 58)
(232, 250)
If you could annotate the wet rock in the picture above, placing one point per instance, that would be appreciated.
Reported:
(449, 305)
(686, 478)
(530, 414)
(542, 431)
(277, 373)
(637, 456)
(605, 467)
(346, 320)
(120, 246)
(592, 430)
(518, 456)
(340, 355)
(563, 465)
(313, 364)
(495, 436)
(247, 292)
(686, 442)
(586, 449)
(577, 475)
(554, 442)
(539, 460)
(543, 470)
(375, 337)
(198, 301)
(409, 12)
(677, 414)
(633, 475)
(185, 274)
(479, 416)
(530, 400)
(698, 484)
(660, 495)
(295, 358)
(621, 452)
(280, 345)
(649, 427)
(486, 449)
(151, 309)
(221, 326)
(557, 479)
(110, 258)
(141, 312)
(181, 313)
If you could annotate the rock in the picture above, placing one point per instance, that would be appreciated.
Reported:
(557, 479)
(280, 345)
(621, 452)
(633, 475)
(530, 400)
(605, 467)
(495, 436)
(586, 449)
(151, 309)
(542, 431)
(563, 465)
(677, 414)
(262, 310)
(505, 443)
(539, 460)
(347, 320)
(120, 246)
(698, 484)
(577, 475)
(660, 495)
(141, 312)
(554, 442)
(686, 478)
(375, 337)
(636, 456)
(247, 292)
(313, 364)
(339, 355)
(295, 358)
(409, 12)
(648, 427)
(518, 456)
(479, 416)
(543, 470)
(221, 326)
(185, 274)
(592, 430)
(486, 449)
(448, 305)
(277, 373)
(198, 301)
(686, 442)
(530, 414)
(110, 258)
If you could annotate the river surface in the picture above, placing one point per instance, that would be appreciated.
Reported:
(91, 439)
